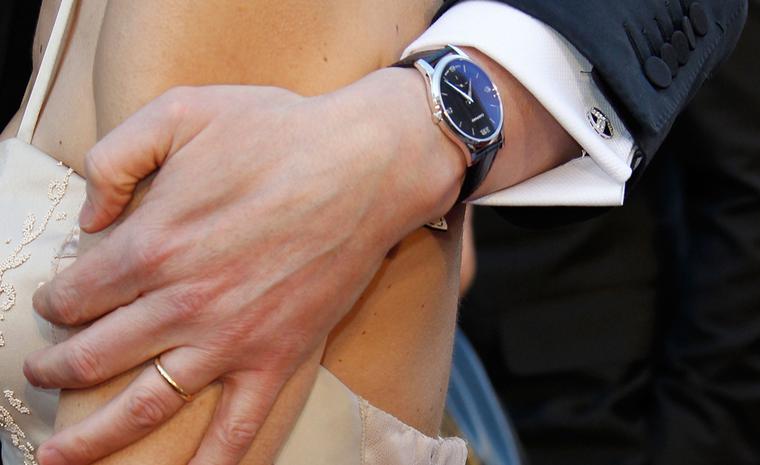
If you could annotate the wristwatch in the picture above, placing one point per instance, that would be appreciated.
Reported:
(466, 105)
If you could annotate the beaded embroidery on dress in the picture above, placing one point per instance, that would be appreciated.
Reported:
(39, 202)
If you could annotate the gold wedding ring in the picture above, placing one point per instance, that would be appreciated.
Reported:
(167, 377)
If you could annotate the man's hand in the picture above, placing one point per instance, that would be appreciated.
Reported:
(268, 217)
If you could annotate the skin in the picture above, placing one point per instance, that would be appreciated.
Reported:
(469, 263)
(317, 271)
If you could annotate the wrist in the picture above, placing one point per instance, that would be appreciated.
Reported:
(420, 169)
(443, 162)
(434, 165)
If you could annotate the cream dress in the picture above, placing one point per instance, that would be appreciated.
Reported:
(39, 202)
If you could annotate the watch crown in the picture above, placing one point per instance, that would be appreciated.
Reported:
(437, 116)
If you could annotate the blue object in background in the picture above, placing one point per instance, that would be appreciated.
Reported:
(476, 409)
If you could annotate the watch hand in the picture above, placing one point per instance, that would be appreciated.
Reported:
(458, 90)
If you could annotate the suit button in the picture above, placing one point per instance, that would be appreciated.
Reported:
(698, 17)
(653, 35)
(689, 32)
(658, 72)
(670, 57)
(681, 44)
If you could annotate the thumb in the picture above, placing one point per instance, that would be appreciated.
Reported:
(128, 154)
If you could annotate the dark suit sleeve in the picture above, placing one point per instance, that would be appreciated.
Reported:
(649, 56)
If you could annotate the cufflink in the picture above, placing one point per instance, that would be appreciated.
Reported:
(600, 123)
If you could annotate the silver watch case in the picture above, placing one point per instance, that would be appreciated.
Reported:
(433, 76)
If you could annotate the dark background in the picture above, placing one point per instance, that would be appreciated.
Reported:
(634, 338)
(17, 21)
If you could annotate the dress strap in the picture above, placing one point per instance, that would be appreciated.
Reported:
(45, 74)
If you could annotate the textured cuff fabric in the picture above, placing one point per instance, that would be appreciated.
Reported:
(560, 79)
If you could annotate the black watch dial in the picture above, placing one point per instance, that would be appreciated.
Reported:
(471, 102)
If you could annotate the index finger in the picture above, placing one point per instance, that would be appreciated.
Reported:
(128, 154)
(100, 280)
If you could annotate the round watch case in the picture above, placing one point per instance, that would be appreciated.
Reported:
(435, 78)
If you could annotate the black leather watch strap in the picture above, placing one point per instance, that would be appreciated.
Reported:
(476, 174)
(431, 56)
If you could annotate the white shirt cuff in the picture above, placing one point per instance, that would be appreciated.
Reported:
(553, 70)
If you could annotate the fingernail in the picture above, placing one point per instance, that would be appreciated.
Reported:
(86, 215)
(29, 374)
(50, 456)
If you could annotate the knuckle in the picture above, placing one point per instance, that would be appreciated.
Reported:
(210, 360)
(236, 433)
(63, 301)
(150, 250)
(80, 450)
(175, 101)
(97, 166)
(146, 409)
(108, 186)
(83, 364)
(290, 347)
(188, 304)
